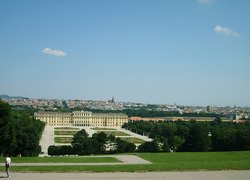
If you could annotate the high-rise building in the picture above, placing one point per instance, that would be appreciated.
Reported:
(210, 108)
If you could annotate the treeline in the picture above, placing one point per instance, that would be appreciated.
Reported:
(147, 113)
(193, 136)
(99, 143)
(154, 113)
(143, 112)
(19, 132)
(243, 118)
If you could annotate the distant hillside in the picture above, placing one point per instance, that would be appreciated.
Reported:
(12, 97)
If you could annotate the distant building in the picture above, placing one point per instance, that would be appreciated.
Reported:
(210, 108)
(112, 100)
(82, 118)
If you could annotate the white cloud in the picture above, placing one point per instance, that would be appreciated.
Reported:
(53, 52)
(205, 1)
(225, 31)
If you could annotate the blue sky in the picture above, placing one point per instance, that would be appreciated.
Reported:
(192, 52)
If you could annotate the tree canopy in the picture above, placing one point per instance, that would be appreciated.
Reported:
(19, 132)
(193, 136)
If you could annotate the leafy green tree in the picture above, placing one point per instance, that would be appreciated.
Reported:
(198, 139)
(177, 143)
(197, 136)
(81, 142)
(217, 121)
(28, 132)
(130, 147)
(182, 131)
(242, 139)
(19, 132)
(152, 146)
(223, 137)
(101, 139)
(52, 150)
(165, 145)
(123, 146)
(7, 131)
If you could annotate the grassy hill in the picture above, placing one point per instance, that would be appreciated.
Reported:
(160, 162)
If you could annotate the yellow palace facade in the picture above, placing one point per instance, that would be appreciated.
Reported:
(82, 118)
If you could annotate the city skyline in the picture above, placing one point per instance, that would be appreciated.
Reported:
(193, 52)
(107, 101)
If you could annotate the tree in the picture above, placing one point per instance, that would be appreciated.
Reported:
(7, 131)
(217, 121)
(182, 131)
(152, 146)
(177, 142)
(223, 137)
(196, 136)
(80, 142)
(124, 146)
(19, 132)
(242, 139)
(198, 139)
(101, 139)
(165, 146)
(28, 133)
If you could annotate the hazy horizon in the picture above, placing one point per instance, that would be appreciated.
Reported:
(119, 101)
(194, 52)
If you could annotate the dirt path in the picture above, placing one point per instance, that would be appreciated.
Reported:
(200, 175)
(47, 138)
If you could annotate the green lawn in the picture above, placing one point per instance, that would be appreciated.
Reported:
(103, 129)
(63, 139)
(70, 159)
(161, 162)
(65, 132)
(115, 133)
(133, 140)
(66, 128)
(199, 160)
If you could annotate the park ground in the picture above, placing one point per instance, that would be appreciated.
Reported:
(147, 166)
(136, 162)
(193, 175)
